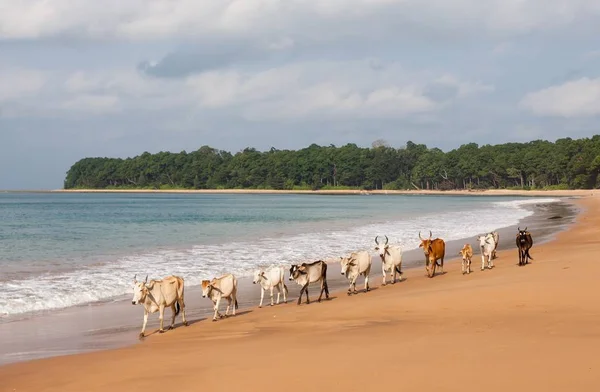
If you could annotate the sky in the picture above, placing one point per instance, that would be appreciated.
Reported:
(114, 78)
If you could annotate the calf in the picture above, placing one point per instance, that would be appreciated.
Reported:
(524, 243)
(391, 259)
(358, 263)
(272, 277)
(487, 245)
(467, 254)
(158, 294)
(218, 288)
(307, 273)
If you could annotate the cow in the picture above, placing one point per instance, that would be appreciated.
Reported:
(219, 288)
(358, 263)
(487, 245)
(467, 254)
(391, 259)
(272, 277)
(307, 273)
(158, 294)
(434, 250)
(496, 241)
(524, 243)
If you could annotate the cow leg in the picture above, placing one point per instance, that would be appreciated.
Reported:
(228, 306)
(322, 289)
(366, 283)
(234, 299)
(306, 291)
(468, 266)
(161, 315)
(383, 272)
(144, 324)
(442, 265)
(278, 292)
(490, 262)
(182, 306)
(300, 296)
(173, 309)
(284, 292)
(262, 295)
(520, 256)
(354, 284)
(462, 266)
(216, 305)
(482, 261)
(271, 295)
(432, 268)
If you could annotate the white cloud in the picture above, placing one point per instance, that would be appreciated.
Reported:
(465, 89)
(16, 84)
(92, 104)
(578, 98)
(314, 89)
(149, 19)
(326, 89)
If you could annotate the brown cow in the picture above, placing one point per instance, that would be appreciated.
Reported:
(434, 249)
(467, 254)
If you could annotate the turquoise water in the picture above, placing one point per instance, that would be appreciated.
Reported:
(59, 250)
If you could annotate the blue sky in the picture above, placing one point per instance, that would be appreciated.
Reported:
(117, 78)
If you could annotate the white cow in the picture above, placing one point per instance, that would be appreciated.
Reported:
(391, 259)
(358, 263)
(497, 241)
(218, 288)
(158, 294)
(272, 277)
(487, 245)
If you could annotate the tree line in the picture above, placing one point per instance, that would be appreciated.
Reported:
(565, 164)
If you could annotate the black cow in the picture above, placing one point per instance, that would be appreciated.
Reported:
(524, 243)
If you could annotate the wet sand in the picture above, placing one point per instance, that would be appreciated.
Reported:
(510, 328)
(116, 324)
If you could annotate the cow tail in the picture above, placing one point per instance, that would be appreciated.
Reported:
(236, 304)
(286, 289)
(528, 255)
(398, 270)
(177, 308)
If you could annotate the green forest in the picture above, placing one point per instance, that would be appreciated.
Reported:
(564, 164)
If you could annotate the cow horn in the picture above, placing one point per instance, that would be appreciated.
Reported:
(134, 278)
(377, 242)
(420, 236)
(525, 228)
(518, 228)
(386, 240)
(430, 235)
(146, 281)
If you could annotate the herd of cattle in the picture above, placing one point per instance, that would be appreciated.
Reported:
(157, 295)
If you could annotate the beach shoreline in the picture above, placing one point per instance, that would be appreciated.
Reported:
(114, 324)
(480, 192)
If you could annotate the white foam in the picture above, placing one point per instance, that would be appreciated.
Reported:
(114, 278)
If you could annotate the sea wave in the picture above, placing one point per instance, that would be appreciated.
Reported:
(114, 277)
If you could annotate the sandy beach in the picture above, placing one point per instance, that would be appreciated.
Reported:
(532, 327)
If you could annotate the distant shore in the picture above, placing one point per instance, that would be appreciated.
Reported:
(483, 192)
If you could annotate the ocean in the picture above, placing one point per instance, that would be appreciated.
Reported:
(59, 250)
